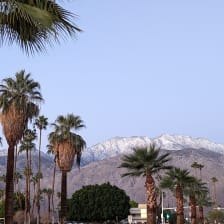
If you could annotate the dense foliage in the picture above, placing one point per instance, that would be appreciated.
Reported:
(99, 203)
(19, 204)
(216, 216)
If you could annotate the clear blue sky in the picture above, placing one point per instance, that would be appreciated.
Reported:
(140, 68)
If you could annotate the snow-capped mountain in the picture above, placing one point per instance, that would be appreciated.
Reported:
(119, 145)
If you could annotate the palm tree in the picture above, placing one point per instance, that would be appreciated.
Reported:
(27, 145)
(196, 165)
(214, 180)
(41, 123)
(175, 180)
(193, 188)
(34, 24)
(203, 200)
(67, 145)
(146, 162)
(18, 104)
(48, 192)
(51, 151)
(34, 179)
(200, 167)
(18, 176)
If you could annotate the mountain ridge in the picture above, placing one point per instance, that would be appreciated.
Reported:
(119, 145)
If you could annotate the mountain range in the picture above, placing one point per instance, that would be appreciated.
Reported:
(100, 162)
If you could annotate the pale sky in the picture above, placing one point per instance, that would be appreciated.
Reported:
(140, 68)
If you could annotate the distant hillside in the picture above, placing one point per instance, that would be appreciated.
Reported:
(100, 163)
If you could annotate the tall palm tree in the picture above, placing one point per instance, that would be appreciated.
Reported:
(41, 123)
(34, 24)
(203, 200)
(214, 180)
(19, 100)
(192, 189)
(27, 145)
(200, 167)
(67, 145)
(51, 151)
(146, 162)
(48, 192)
(175, 180)
(18, 176)
(196, 165)
(34, 180)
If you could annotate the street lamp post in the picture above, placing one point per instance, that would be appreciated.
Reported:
(162, 217)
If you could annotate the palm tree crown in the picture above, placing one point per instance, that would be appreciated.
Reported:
(33, 24)
(18, 103)
(63, 133)
(145, 161)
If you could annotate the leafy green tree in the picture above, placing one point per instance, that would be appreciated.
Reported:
(146, 162)
(133, 204)
(99, 203)
(34, 24)
(19, 100)
(216, 216)
(66, 144)
(175, 180)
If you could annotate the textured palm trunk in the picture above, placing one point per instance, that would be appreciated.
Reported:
(151, 199)
(179, 203)
(15, 163)
(34, 199)
(9, 185)
(53, 183)
(38, 184)
(214, 192)
(201, 215)
(63, 197)
(193, 209)
(27, 189)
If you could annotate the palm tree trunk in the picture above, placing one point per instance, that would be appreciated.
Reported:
(9, 185)
(53, 183)
(27, 190)
(151, 199)
(215, 198)
(49, 207)
(201, 215)
(180, 206)
(38, 184)
(34, 199)
(15, 161)
(63, 197)
(193, 209)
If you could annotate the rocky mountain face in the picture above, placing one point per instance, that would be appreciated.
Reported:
(100, 164)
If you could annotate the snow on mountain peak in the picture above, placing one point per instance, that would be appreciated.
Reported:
(120, 145)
